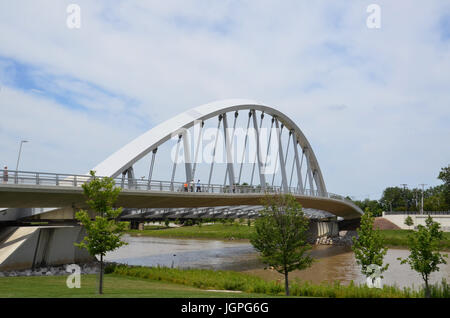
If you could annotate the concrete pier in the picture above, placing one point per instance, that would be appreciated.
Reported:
(27, 247)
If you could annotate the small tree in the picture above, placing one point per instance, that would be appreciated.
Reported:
(424, 246)
(105, 231)
(280, 235)
(369, 246)
(444, 175)
(409, 221)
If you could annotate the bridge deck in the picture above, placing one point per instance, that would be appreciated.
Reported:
(36, 196)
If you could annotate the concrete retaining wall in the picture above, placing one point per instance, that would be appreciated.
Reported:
(399, 220)
(29, 247)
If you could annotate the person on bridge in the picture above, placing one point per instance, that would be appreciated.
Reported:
(199, 188)
(185, 187)
(192, 185)
(5, 175)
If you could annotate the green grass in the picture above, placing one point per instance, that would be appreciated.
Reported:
(213, 231)
(230, 280)
(399, 238)
(125, 281)
(114, 286)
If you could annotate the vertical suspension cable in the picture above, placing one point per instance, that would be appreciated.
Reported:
(200, 136)
(292, 173)
(150, 173)
(256, 153)
(214, 152)
(300, 180)
(270, 138)
(278, 152)
(306, 174)
(309, 173)
(245, 146)
(175, 162)
(236, 114)
(286, 155)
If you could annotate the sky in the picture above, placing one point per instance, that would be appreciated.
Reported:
(374, 103)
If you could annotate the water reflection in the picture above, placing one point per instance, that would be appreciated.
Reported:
(332, 262)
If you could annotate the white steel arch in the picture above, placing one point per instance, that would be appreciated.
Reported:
(123, 160)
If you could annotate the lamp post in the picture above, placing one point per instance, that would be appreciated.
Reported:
(421, 207)
(20, 150)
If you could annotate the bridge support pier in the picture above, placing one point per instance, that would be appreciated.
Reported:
(27, 247)
(137, 225)
(319, 228)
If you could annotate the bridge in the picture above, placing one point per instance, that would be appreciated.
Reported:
(262, 142)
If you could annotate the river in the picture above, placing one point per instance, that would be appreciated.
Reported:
(332, 262)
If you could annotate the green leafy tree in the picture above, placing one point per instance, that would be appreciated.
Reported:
(409, 221)
(393, 197)
(444, 175)
(369, 246)
(280, 235)
(424, 246)
(372, 205)
(104, 231)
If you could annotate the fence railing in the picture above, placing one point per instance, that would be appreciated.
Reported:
(74, 180)
(417, 213)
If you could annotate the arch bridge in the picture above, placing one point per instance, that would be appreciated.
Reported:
(251, 149)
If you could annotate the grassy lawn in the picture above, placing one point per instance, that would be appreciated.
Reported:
(213, 231)
(137, 282)
(114, 286)
(399, 238)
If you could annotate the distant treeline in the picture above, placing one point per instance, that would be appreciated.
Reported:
(403, 199)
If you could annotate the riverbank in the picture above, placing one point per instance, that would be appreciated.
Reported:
(393, 238)
(399, 238)
(210, 231)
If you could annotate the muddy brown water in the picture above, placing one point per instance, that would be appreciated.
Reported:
(332, 262)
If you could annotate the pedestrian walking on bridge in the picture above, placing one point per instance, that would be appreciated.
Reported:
(5, 174)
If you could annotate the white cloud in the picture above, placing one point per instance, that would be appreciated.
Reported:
(134, 64)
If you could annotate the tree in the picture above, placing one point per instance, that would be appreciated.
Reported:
(444, 175)
(369, 246)
(394, 198)
(104, 231)
(424, 246)
(373, 205)
(409, 221)
(280, 235)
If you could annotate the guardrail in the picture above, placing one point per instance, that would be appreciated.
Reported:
(416, 213)
(74, 180)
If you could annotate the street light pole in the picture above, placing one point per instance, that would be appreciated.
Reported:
(20, 150)
(421, 209)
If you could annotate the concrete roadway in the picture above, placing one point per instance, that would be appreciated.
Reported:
(39, 196)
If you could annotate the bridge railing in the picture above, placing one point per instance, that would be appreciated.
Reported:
(74, 180)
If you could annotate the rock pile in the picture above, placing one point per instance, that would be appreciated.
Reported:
(344, 238)
(89, 268)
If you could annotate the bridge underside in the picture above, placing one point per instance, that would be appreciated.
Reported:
(72, 197)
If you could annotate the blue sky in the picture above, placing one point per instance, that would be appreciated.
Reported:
(374, 103)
